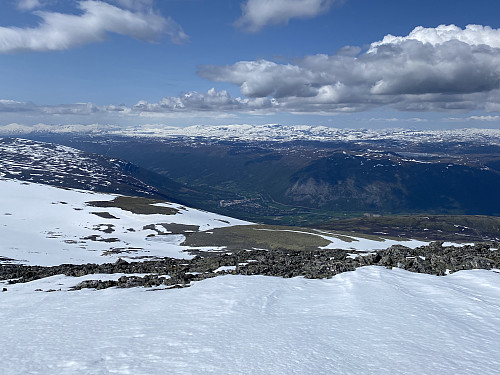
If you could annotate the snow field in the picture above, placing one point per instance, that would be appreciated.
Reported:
(45, 225)
(370, 321)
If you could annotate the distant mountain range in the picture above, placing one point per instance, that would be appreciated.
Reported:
(267, 133)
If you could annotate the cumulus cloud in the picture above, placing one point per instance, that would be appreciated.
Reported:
(59, 31)
(190, 103)
(259, 13)
(211, 101)
(472, 34)
(436, 69)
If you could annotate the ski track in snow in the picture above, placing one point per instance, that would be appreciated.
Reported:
(370, 321)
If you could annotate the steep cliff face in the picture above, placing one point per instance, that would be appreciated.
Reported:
(393, 184)
(345, 193)
(310, 191)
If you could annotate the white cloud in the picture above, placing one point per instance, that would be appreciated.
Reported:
(441, 69)
(473, 35)
(399, 120)
(7, 106)
(59, 31)
(29, 4)
(260, 13)
(483, 118)
(211, 101)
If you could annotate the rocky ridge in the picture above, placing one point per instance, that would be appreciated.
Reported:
(434, 259)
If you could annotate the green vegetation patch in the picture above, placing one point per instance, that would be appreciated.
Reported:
(256, 236)
(136, 205)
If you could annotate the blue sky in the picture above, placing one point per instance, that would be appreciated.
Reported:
(349, 63)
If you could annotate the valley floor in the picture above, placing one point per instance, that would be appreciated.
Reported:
(370, 321)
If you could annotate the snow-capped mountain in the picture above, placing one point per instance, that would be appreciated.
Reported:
(269, 133)
(284, 133)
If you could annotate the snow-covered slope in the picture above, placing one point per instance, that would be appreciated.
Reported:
(45, 225)
(283, 133)
(269, 132)
(370, 321)
(57, 165)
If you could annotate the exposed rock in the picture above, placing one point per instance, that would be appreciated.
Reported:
(434, 259)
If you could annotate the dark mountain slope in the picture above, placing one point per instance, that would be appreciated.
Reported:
(345, 182)
(62, 166)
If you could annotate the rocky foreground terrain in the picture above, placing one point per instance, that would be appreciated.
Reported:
(434, 259)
